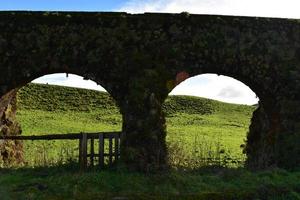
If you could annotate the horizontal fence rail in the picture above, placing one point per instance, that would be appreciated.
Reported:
(113, 139)
(68, 136)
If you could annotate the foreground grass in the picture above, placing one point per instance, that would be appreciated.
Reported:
(66, 183)
(197, 128)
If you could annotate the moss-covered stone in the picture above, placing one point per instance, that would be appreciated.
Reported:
(140, 58)
(10, 151)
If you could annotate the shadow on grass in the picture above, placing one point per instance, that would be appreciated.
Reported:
(67, 182)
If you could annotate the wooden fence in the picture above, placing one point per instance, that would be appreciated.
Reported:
(85, 139)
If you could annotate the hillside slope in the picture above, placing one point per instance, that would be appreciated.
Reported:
(196, 126)
(58, 98)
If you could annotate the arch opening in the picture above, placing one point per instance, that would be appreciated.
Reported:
(60, 104)
(208, 118)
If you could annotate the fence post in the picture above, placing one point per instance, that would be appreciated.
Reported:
(83, 164)
(101, 151)
(92, 152)
(116, 147)
(110, 150)
(80, 150)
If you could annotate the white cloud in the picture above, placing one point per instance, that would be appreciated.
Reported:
(230, 92)
(264, 8)
(70, 81)
(222, 88)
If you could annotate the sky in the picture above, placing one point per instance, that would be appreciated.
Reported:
(209, 85)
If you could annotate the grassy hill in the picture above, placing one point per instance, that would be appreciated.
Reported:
(201, 133)
(196, 126)
(57, 98)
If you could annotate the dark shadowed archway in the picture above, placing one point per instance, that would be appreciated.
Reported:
(137, 58)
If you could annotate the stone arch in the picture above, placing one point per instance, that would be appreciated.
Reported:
(42, 72)
(137, 58)
(9, 125)
(8, 91)
(183, 76)
(267, 125)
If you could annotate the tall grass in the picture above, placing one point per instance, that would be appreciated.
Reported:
(203, 153)
(199, 131)
(49, 153)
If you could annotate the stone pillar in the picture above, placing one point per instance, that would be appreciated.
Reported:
(288, 139)
(143, 142)
(10, 151)
(260, 144)
(274, 137)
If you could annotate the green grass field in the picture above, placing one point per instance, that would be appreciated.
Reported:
(201, 133)
(223, 184)
(197, 128)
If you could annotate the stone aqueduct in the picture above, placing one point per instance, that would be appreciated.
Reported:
(140, 58)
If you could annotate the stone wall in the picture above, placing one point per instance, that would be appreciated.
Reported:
(10, 151)
(140, 58)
